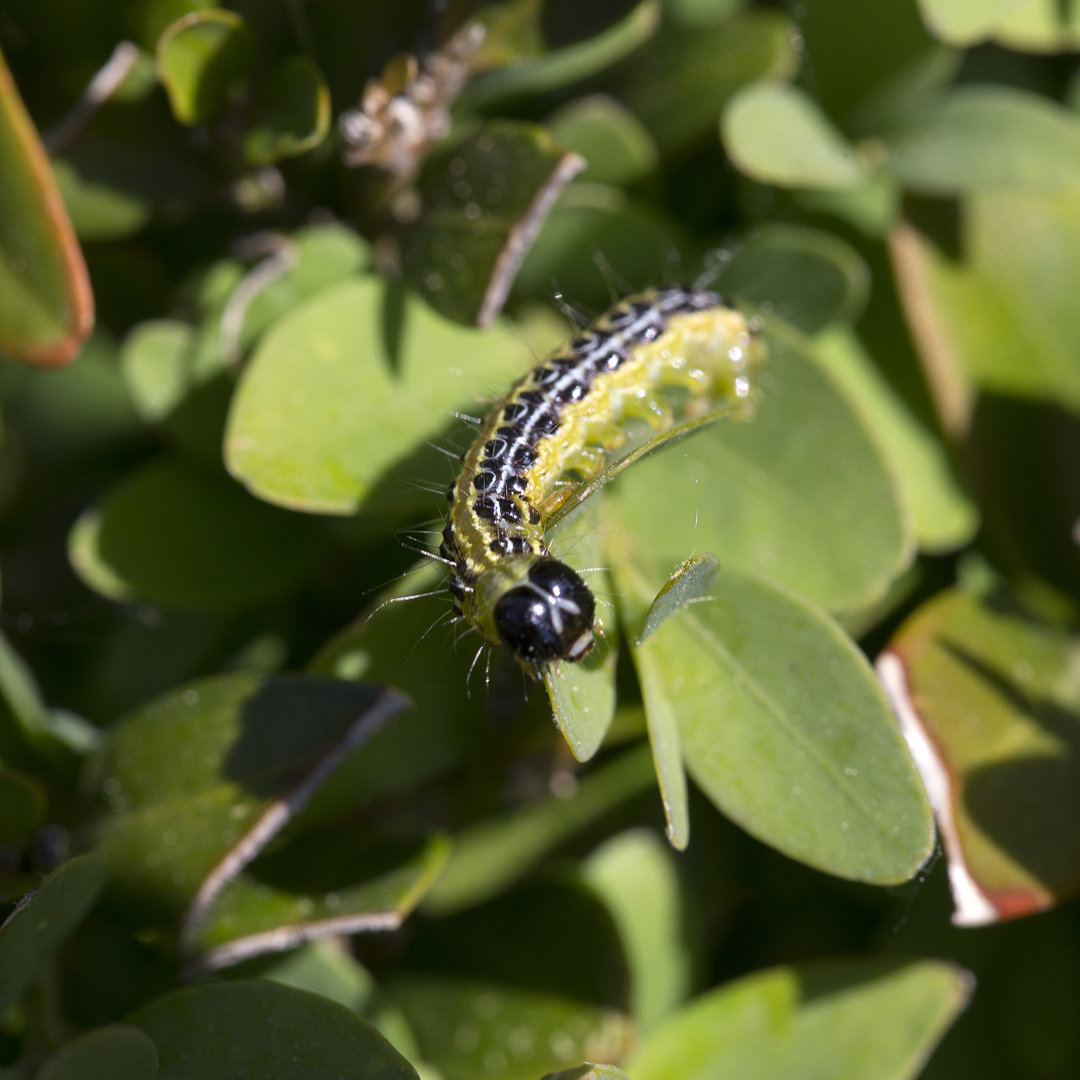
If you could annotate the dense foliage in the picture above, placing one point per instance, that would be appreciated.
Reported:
(257, 820)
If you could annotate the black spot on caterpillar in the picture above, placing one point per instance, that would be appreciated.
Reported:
(552, 432)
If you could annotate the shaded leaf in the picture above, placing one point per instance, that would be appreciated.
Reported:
(678, 84)
(944, 515)
(22, 808)
(235, 1029)
(341, 393)
(325, 885)
(617, 148)
(46, 306)
(473, 1014)
(201, 58)
(181, 536)
(776, 134)
(560, 67)
(785, 728)
(591, 218)
(996, 328)
(292, 112)
(484, 198)
(191, 787)
(493, 854)
(814, 1021)
(808, 277)
(43, 920)
(637, 875)
(897, 62)
(990, 702)
(114, 1052)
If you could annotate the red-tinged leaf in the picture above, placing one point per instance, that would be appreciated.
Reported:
(989, 701)
(46, 306)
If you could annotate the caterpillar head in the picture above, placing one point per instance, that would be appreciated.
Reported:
(548, 615)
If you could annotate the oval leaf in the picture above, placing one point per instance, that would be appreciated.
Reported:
(292, 113)
(232, 1030)
(46, 306)
(200, 60)
(988, 138)
(43, 920)
(184, 537)
(115, 1052)
(773, 1025)
(798, 494)
(678, 84)
(341, 393)
(785, 728)
(777, 134)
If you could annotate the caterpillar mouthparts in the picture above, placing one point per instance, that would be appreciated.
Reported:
(555, 430)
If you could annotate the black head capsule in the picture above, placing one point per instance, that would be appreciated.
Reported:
(549, 616)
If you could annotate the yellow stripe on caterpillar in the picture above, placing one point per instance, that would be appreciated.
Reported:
(554, 430)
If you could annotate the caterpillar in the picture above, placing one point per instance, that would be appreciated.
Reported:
(555, 430)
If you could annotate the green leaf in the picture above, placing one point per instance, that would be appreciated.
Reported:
(178, 535)
(689, 584)
(591, 218)
(156, 359)
(229, 1030)
(22, 808)
(341, 393)
(201, 59)
(330, 884)
(46, 306)
(1039, 26)
(798, 494)
(896, 64)
(808, 277)
(320, 967)
(988, 138)
(617, 148)
(964, 22)
(661, 707)
(484, 198)
(475, 1017)
(43, 920)
(812, 1021)
(637, 876)
(944, 515)
(784, 727)
(490, 856)
(174, 823)
(679, 83)
(292, 112)
(308, 262)
(990, 699)
(560, 67)
(588, 1071)
(996, 325)
(777, 134)
(582, 695)
(113, 1052)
